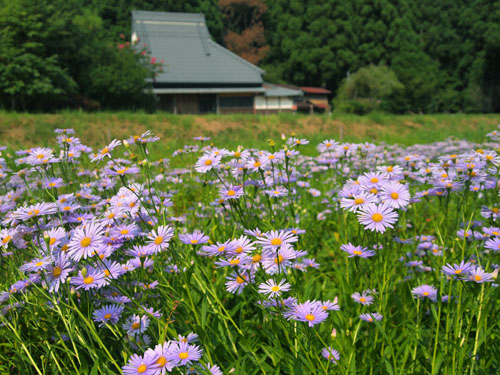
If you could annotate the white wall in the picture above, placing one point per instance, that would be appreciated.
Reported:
(273, 102)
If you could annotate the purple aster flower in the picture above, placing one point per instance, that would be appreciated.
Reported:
(330, 306)
(371, 317)
(87, 239)
(457, 269)
(219, 248)
(58, 271)
(237, 282)
(126, 231)
(136, 324)
(425, 291)
(241, 245)
(92, 278)
(357, 201)
(108, 314)
(182, 353)
(377, 217)
(158, 239)
(478, 275)
(330, 354)
(207, 163)
(138, 365)
(493, 244)
(195, 238)
(120, 170)
(364, 298)
(36, 265)
(275, 239)
(231, 192)
(278, 260)
(162, 364)
(105, 152)
(309, 312)
(395, 194)
(213, 370)
(272, 289)
(278, 191)
(357, 251)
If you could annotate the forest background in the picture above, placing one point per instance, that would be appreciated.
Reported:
(400, 56)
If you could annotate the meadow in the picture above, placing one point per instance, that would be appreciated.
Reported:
(279, 244)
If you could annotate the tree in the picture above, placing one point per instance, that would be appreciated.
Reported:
(244, 28)
(367, 89)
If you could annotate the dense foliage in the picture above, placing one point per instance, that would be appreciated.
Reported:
(443, 53)
(361, 259)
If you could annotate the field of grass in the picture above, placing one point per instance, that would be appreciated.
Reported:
(295, 258)
(26, 130)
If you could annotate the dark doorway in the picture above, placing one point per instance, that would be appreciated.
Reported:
(207, 103)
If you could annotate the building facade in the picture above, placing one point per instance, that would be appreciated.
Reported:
(199, 75)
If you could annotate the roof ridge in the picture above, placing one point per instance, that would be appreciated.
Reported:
(236, 57)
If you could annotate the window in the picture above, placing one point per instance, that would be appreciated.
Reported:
(235, 101)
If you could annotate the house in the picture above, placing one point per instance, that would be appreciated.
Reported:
(278, 98)
(199, 75)
(316, 99)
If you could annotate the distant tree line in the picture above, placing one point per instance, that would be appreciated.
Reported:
(396, 55)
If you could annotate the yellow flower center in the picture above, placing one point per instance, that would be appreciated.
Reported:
(495, 210)
(362, 299)
(276, 241)
(458, 271)
(238, 250)
(106, 273)
(231, 193)
(240, 280)
(234, 261)
(39, 264)
(107, 316)
(279, 259)
(374, 180)
(389, 169)
(310, 317)
(359, 201)
(124, 231)
(426, 293)
(256, 258)
(394, 195)
(183, 355)
(376, 217)
(194, 241)
(275, 288)
(136, 325)
(56, 272)
(85, 242)
(477, 278)
(88, 280)
(142, 368)
(257, 164)
(162, 361)
(357, 252)
(52, 241)
(6, 239)
(104, 151)
(158, 240)
(208, 162)
(373, 191)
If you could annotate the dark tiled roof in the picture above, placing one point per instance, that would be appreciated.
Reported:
(183, 41)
